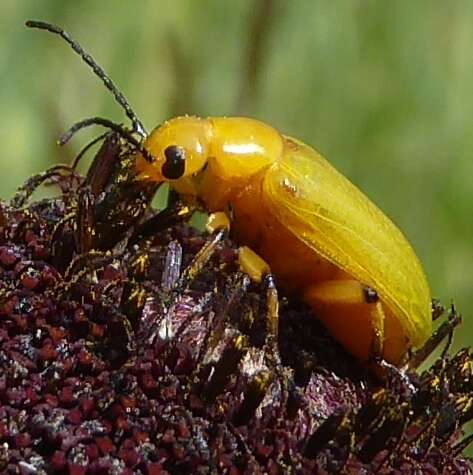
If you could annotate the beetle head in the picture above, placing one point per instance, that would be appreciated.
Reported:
(179, 149)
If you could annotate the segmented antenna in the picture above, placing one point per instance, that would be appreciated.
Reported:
(119, 97)
(109, 125)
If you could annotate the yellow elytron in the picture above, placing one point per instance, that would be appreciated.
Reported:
(319, 234)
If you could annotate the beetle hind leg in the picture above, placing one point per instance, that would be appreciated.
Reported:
(356, 317)
(354, 314)
(394, 376)
(377, 322)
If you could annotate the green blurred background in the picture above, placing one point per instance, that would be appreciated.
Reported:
(383, 89)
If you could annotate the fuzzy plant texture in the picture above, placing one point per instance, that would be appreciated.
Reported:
(131, 343)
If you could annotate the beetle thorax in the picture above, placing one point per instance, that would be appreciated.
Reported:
(209, 160)
(239, 149)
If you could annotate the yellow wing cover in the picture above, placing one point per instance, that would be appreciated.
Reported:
(330, 215)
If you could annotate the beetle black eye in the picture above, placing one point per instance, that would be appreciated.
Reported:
(175, 164)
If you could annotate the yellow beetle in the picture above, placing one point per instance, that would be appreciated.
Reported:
(320, 235)
(294, 215)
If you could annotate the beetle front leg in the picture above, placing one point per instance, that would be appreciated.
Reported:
(218, 225)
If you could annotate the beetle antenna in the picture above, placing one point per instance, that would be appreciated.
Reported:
(119, 97)
(124, 133)
(86, 149)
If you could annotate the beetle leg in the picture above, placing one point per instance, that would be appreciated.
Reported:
(356, 317)
(170, 216)
(352, 299)
(377, 323)
(200, 260)
(272, 319)
(252, 264)
(289, 395)
(217, 221)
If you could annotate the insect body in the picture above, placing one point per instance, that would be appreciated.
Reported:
(322, 238)
(294, 215)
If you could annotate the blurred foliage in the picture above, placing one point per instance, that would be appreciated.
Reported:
(383, 89)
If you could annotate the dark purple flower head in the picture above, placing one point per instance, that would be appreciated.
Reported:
(119, 355)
